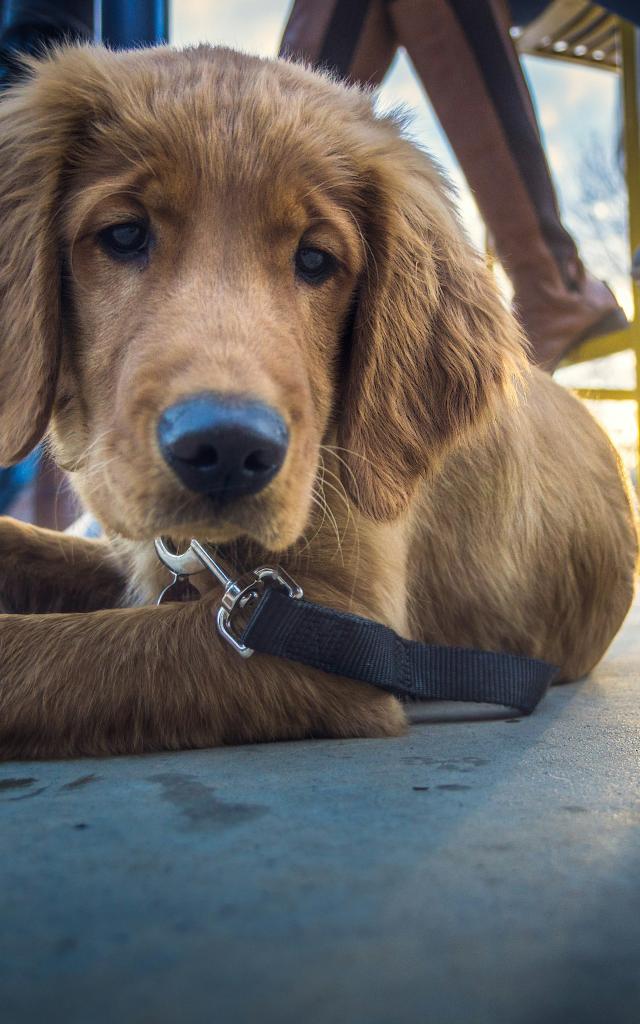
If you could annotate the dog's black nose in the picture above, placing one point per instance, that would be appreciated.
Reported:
(223, 445)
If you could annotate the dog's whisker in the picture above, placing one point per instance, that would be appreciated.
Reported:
(350, 520)
(317, 502)
(333, 452)
(349, 451)
(339, 490)
(330, 513)
(87, 450)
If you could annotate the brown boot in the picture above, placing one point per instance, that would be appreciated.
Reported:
(556, 319)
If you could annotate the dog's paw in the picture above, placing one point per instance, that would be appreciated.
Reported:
(372, 715)
(27, 567)
(14, 535)
(10, 530)
(12, 567)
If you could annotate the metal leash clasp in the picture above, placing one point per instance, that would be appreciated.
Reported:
(238, 593)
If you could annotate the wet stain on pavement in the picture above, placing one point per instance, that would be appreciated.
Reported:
(199, 804)
(82, 780)
(454, 764)
(16, 783)
(29, 795)
(462, 764)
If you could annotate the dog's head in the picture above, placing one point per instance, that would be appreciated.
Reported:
(210, 266)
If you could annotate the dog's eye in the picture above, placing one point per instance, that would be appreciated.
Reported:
(125, 241)
(313, 265)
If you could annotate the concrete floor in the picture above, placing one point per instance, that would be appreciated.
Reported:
(475, 872)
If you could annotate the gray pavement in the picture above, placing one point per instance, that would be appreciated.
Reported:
(473, 872)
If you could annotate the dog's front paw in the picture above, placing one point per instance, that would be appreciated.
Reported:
(11, 531)
(34, 569)
(14, 566)
(368, 714)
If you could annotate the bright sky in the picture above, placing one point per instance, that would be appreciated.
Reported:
(578, 110)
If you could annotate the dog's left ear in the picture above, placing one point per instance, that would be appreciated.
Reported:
(434, 348)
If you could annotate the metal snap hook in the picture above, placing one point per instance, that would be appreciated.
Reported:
(238, 593)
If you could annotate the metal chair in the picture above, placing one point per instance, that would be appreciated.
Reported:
(586, 34)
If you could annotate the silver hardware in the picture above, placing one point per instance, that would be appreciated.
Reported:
(178, 590)
(237, 593)
(186, 564)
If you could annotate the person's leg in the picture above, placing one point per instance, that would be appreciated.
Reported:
(354, 38)
(467, 62)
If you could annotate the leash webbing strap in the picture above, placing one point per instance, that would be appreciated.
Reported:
(358, 648)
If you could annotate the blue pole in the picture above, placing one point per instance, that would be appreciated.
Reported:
(135, 22)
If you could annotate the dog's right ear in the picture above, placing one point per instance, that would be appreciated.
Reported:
(30, 166)
(37, 120)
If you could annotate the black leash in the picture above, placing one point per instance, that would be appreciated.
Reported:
(281, 623)
(348, 645)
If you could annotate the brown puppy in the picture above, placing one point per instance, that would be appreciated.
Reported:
(204, 237)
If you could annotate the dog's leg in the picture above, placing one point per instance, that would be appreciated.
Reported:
(156, 678)
(45, 571)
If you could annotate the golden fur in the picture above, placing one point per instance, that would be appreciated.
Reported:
(434, 481)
